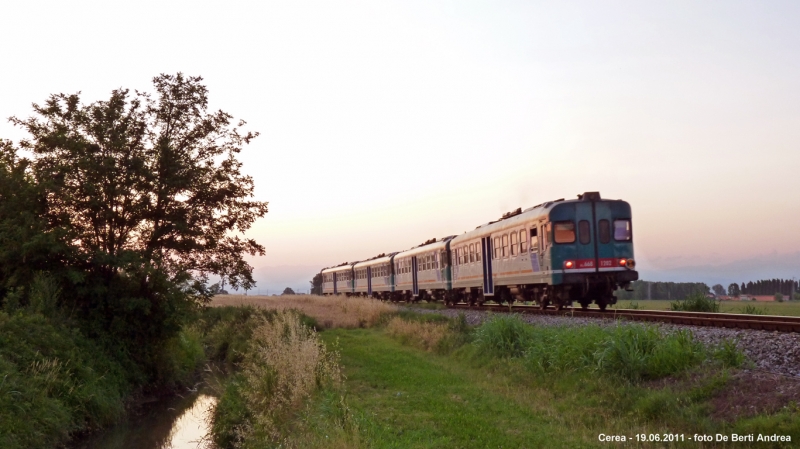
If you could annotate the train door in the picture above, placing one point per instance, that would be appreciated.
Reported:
(486, 264)
(614, 234)
(586, 244)
(414, 277)
(369, 281)
(536, 258)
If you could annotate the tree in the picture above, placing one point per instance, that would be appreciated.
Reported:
(316, 284)
(719, 290)
(733, 290)
(288, 291)
(148, 196)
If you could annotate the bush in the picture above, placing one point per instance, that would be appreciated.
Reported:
(779, 297)
(696, 303)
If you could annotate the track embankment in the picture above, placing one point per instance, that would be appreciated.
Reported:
(769, 350)
(727, 320)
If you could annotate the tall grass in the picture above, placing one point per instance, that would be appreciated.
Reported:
(504, 336)
(629, 352)
(425, 335)
(328, 311)
(285, 366)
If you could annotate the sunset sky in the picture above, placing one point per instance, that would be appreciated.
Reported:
(386, 123)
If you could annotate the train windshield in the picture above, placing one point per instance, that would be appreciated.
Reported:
(622, 230)
(564, 232)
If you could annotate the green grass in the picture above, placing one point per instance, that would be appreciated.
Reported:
(404, 397)
(507, 386)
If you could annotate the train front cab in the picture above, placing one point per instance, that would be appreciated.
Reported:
(592, 250)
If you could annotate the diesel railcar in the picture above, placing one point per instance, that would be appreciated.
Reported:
(555, 253)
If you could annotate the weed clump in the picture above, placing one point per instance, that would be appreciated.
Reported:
(286, 365)
(695, 303)
(750, 309)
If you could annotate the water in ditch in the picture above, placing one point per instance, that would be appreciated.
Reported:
(180, 422)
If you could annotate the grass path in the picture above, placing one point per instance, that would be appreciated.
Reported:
(405, 397)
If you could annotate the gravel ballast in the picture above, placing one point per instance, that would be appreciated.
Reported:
(776, 352)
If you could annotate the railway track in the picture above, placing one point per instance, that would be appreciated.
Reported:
(729, 320)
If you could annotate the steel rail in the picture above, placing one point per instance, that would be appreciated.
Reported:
(728, 320)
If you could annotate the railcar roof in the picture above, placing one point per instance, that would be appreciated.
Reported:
(437, 245)
(346, 267)
(376, 261)
(515, 218)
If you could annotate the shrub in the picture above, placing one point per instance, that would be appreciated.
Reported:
(696, 303)
(779, 297)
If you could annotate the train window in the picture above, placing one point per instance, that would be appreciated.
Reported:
(523, 242)
(604, 229)
(461, 256)
(514, 243)
(622, 230)
(496, 248)
(505, 246)
(564, 232)
(477, 253)
(471, 252)
(583, 232)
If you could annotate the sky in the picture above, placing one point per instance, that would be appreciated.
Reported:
(386, 123)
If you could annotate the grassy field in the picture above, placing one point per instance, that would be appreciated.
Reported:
(786, 308)
(426, 381)
(403, 396)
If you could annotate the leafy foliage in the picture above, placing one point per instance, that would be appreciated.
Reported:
(130, 204)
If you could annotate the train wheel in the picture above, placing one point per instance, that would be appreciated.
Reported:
(585, 304)
(543, 303)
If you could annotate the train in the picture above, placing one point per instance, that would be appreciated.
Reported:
(554, 254)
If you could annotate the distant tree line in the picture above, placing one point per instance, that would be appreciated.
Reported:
(642, 290)
(765, 287)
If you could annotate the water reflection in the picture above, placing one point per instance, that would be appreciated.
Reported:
(178, 423)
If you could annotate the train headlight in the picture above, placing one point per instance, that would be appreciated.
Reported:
(631, 264)
(623, 262)
(569, 264)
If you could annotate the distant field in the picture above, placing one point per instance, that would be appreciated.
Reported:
(787, 308)
(329, 312)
